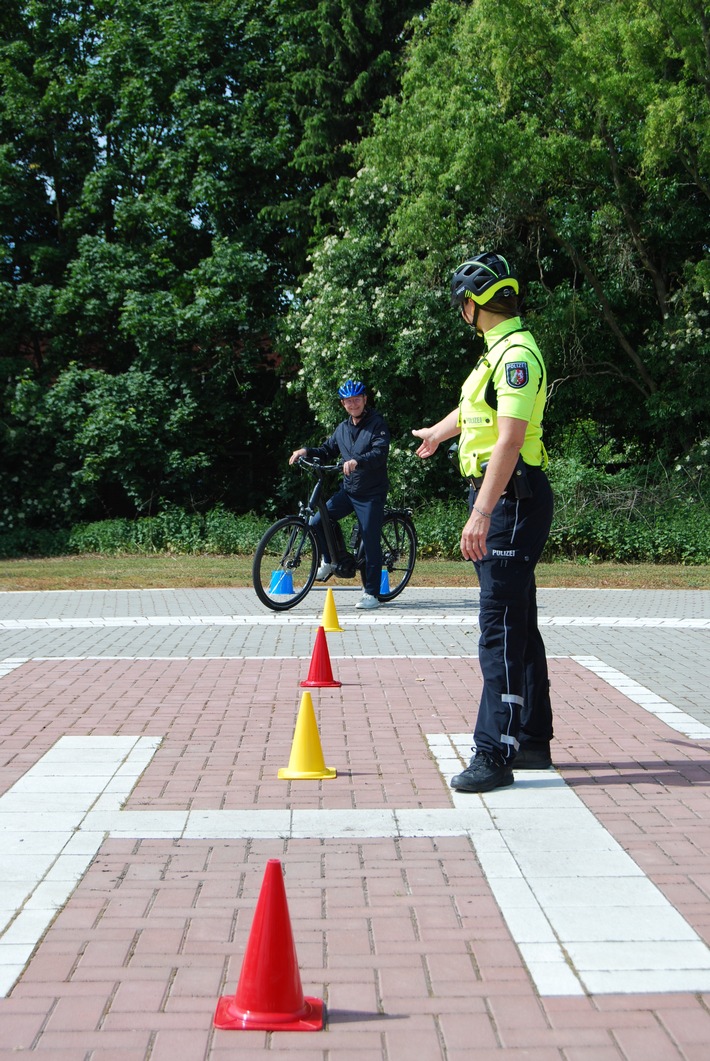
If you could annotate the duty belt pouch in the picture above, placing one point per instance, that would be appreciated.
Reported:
(519, 485)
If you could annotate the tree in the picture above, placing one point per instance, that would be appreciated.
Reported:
(345, 57)
(154, 222)
(577, 145)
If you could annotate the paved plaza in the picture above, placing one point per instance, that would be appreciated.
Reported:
(566, 918)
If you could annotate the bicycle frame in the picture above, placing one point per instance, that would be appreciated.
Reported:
(316, 505)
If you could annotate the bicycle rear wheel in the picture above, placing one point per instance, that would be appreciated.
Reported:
(285, 563)
(399, 554)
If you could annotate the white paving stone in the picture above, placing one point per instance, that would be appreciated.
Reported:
(561, 900)
(649, 701)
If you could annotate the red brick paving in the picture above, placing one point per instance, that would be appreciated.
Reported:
(402, 937)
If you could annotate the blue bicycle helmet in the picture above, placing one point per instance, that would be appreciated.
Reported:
(481, 278)
(352, 388)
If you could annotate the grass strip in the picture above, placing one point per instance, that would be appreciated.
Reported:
(165, 571)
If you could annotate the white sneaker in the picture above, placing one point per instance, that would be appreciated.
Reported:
(368, 602)
(324, 571)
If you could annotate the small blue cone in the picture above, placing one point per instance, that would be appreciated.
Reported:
(385, 581)
(281, 582)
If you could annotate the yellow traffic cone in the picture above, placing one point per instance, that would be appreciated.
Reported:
(306, 762)
(330, 622)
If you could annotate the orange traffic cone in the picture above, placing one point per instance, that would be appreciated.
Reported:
(330, 621)
(306, 762)
(320, 673)
(269, 994)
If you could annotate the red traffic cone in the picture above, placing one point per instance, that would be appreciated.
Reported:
(269, 994)
(320, 673)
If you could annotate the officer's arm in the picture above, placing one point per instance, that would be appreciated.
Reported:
(432, 436)
(511, 435)
(504, 456)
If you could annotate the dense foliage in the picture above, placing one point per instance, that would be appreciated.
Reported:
(212, 212)
(160, 167)
(575, 138)
(633, 516)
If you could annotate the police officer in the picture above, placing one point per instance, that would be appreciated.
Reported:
(501, 453)
(362, 440)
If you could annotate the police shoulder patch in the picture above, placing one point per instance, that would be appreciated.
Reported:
(517, 374)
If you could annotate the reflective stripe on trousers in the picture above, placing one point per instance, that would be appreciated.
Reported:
(515, 700)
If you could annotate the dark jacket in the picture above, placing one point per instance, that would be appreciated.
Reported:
(368, 443)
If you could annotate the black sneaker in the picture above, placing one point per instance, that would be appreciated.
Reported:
(532, 757)
(482, 775)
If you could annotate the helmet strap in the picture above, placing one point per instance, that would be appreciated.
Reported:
(474, 322)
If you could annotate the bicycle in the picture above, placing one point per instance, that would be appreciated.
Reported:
(287, 557)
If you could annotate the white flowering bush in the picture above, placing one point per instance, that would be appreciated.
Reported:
(363, 313)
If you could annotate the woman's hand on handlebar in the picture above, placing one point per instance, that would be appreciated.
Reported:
(299, 457)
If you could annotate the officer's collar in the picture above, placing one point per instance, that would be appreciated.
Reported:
(500, 331)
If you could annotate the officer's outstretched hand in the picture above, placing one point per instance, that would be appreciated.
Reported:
(429, 444)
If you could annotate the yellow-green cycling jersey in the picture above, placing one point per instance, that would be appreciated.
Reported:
(509, 380)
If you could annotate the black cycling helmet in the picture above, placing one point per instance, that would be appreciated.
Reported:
(352, 388)
(481, 278)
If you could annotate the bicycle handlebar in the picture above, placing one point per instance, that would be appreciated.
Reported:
(316, 465)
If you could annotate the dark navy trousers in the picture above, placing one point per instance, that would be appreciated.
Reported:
(370, 514)
(515, 703)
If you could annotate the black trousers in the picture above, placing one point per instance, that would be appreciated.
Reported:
(370, 513)
(515, 703)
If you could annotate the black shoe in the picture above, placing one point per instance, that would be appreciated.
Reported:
(482, 775)
(532, 757)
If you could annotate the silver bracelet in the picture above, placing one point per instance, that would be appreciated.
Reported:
(486, 515)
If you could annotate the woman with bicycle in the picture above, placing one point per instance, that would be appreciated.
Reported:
(362, 440)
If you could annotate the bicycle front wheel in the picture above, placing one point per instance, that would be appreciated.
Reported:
(285, 563)
(399, 554)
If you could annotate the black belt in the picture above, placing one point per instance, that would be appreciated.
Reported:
(514, 486)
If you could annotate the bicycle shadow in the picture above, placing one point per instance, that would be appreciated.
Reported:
(408, 603)
(682, 773)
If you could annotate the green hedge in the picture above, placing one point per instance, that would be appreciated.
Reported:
(626, 516)
(172, 531)
(644, 514)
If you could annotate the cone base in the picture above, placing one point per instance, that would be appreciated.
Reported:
(313, 683)
(232, 1017)
(287, 774)
(333, 629)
